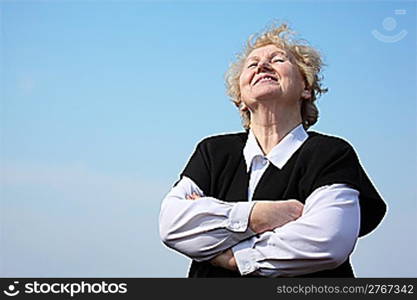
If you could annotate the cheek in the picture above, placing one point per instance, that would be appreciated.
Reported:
(286, 71)
(244, 87)
(292, 76)
(243, 81)
(240, 82)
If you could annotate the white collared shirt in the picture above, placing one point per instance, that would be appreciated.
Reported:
(322, 238)
(257, 163)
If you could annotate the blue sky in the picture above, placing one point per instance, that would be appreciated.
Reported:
(102, 104)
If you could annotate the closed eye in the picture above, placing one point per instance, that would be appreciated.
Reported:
(252, 65)
(278, 60)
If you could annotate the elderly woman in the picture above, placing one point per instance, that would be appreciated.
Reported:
(275, 200)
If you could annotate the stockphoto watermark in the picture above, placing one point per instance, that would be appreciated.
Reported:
(70, 289)
(390, 33)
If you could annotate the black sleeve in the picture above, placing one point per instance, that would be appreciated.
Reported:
(341, 165)
(198, 167)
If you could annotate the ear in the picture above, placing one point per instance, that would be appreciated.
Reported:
(306, 94)
(243, 107)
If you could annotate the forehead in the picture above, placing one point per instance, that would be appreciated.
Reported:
(266, 51)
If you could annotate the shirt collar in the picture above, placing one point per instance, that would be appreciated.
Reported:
(280, 153)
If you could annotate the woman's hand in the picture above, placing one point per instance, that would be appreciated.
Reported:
(265, 215)
(268, 215)
(193, 196)
(225, 260)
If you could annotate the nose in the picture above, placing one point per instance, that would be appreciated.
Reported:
(263, 65)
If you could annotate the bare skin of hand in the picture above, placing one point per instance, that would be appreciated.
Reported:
(225, 260)
(193, 196)
(268, 215)
(265, 216)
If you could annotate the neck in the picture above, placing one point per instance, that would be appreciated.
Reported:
(271, 124)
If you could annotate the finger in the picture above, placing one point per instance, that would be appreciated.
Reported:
(214, 261)
(191, 197)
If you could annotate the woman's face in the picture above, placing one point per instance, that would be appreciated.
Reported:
(269, 73)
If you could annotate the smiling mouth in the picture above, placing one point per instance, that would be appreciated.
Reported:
(266, 79)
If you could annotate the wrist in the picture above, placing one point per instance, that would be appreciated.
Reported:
(256, 224)
(232, 263)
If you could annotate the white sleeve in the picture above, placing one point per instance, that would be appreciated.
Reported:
(322, 238)
(202, 228)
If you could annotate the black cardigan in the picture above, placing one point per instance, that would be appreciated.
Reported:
(218, 167)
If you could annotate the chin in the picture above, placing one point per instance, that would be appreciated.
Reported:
(266, 92)
(267, 96)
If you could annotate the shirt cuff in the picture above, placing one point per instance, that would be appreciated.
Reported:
(245, 256)
(238, 220)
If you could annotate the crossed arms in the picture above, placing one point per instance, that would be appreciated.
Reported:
(266, 238)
